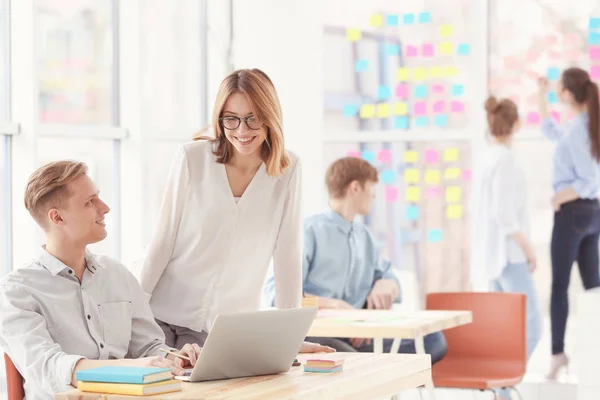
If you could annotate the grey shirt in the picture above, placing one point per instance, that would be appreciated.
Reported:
(49, 320)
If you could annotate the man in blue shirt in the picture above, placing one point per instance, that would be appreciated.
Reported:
(342, 265)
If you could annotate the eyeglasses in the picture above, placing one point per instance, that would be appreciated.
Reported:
(232, 123)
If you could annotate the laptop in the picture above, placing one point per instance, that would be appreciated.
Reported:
(252, 344)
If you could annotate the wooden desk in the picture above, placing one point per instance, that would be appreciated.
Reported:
(365, 376)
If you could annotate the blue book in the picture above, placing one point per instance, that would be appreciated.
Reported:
(124, 375)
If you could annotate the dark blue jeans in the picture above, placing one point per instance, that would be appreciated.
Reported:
(574, 238)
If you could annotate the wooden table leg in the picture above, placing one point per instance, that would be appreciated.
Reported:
(420, 348)
(378, 345)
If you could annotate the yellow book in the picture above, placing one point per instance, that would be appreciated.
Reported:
(131, 389)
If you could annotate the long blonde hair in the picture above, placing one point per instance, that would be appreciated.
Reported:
(263, 99)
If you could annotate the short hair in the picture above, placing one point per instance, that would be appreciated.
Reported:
(47, 187)
(344, 171)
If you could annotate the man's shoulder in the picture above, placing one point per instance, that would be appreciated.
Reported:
(27, 275)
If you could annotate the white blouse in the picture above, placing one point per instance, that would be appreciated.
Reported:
(210, 253)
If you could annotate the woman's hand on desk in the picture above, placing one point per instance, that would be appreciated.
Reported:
(308, 347)
(191, 351)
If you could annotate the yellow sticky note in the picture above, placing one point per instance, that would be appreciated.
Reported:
(400, 109)
(412, 175)
(367, 111)
(383, 110)
(353, 35)
(432, 176)
(450, 155)
(446, 48)
(454, 211)
(435, 72)
(419, 74)
(452, 173)
(403, 74)
(410, 156)
(450, 72)
(412, 194)
(453, 194)
(446, 30)
(376, 20)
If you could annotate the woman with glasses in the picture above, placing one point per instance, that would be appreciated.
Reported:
(231, 204)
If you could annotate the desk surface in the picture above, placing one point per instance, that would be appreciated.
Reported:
(385, 323)
(365, 376)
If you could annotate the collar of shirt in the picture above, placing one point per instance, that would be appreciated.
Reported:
(342, 223)
(55, 266)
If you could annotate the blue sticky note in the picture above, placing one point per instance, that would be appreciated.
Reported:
(594, 38)
(368, 156)
(392, 50)
(552, 98)
(384, 92)
(350, 110)
(421, 122)
(440, 120)
(553, 74)
(401, 122)
(594, 23)
(391, 20)
(388, 177)
(458, 90)
(463, 49)
(361, 65)
(408, 19)
(420, 91)
(424, 17)
(412, 213)
(434, 235)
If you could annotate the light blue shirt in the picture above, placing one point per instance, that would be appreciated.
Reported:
(341, 260)
(574, 165)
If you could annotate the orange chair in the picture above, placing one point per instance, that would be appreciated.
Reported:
(14, 380)
(491, 352)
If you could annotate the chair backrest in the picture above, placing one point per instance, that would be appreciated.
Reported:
(14, 380)
(498, 330)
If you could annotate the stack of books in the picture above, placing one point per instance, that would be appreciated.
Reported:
(327, 366)
(127, 381)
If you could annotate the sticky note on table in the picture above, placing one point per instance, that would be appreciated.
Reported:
(412, 194)
(408, 19)
(427, 50)
(384, 92)
(457, 106)
(446, 30)
(403, 74)
(451, 173)
(594, 38)
(553, 74)
(420, 91)
(367, 111)
(411, 51)
(412, 175)
(420, 108)
(368, 156)
(361, 65)
(391, 20)
(432, 156)
(376, 20)
(412, 213)
(454, 211)
(457, 90)
(594, 53)
(595, 72)
(353, 35)
(432, 176)
(552, 98)
(453, 194)
(391, 194)
(421, 122)
(463, 49)
(419, 74)
(424, 17)
(533, 118)
(388, 177)
(401, 122)
(450, 155)
(350, 110)
(410, 156)
(392, 49)
(594, 23)
(451, 71)
(384, 156)
(441, 121)
(400, 109)
(384, 110)
(439, 106)
(435, 72)
(353, 153)
(446, 48)
(434, 235)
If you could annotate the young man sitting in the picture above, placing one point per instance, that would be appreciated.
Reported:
(342, 265)
(70, 310)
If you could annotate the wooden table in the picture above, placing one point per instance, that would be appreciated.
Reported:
(387, 324)
(365, 376)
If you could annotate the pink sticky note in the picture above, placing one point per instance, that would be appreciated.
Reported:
(573, 55)
(514, 97)
(534, 76)
(554, 55)
(427, 50)
(391, 194)
(353, 153)
(402, 91)
(532, 56)
(511, 62)
(420, 108)
(551, 40)
(457, 106)
(467, 174)
(594, 52)
(433, 192)
(595, 72)
(432, 156)
(555, 116)
(439, 106)
(384, 156)
(437, 88)
(495, 84)
(411, 51)
(572, 39)
(533, 118)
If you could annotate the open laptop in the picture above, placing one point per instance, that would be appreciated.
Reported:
(251, 344)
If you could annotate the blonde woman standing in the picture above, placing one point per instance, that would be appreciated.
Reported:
(231, 203)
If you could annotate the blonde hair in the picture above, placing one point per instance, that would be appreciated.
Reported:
(47, 187)
(262, 96)
(341, 173)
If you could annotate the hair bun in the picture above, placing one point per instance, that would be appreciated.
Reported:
(491, 104)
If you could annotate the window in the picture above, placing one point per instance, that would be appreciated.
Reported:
(5, 192)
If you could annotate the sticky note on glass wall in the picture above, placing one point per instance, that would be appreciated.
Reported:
(419, 74)
(411, 51)
(594, 53)
(446, 48)
(350, 110)
(412, 194)
(353, 35)
(427, 50)
(454, 211)
(421, 122)
(368, 156)
(383, 110)
(392, 49)
(424, 17)
(402, 91)
(533, 118)
(594, 38)
(410, 156)
(434, 235)
(457, 106)
(433, 192)
(552, 98)
(437, 88)
(446, 30)
(420, 108)
(361, 65)
(594, 23)
(384, 92)
(463, 49)
(441, 121)
(595, 72)
(553, 74)
(388, 177)
(412, 175)
(367, 111)
(384, 156)
(391, 194)
(403, 74)
(408, 19)
(467, 175)
(376, 20)
(420, 91)
(353, 153)
(391, 20)
(400, 109)
(453, 194)
(432, 156)
(458, 90)
(439, 106)
(555, 115)
(451, 173)
(432, 176)
(401, 122)
(450, 155)
(451, 72)
(412, 213)
(435, 72)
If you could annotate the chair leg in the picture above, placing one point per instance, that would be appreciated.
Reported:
(516, 390)
(491, 390)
